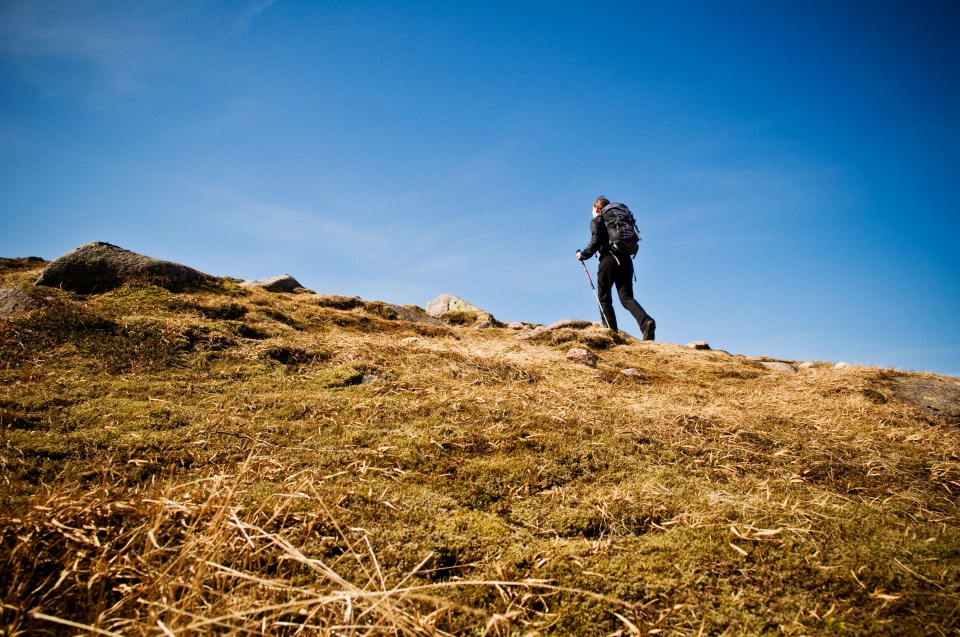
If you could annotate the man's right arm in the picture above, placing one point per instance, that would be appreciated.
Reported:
(596, 240)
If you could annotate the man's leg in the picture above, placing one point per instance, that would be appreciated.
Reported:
(624, 281)
(606, 272)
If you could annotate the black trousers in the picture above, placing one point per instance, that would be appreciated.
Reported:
(610, 273)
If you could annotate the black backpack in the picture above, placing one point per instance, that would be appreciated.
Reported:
(621, 229)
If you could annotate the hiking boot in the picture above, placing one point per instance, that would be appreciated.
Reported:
(648, 328)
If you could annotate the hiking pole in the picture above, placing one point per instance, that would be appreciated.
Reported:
(602, 313)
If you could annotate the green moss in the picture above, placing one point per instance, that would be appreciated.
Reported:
(875, 396)
(226, 311)
(343, 376)
(141, 343)
(382, 310)
(460, 318)
(338, 302)
(286, 355)
(709, 498)
(131, 299)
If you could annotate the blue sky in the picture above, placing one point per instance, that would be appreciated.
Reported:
(794, 166)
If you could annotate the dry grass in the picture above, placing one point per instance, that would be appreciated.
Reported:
(186, 558)
(239, 462)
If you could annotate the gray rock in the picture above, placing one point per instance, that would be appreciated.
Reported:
(544, 329)
(485, 321)
(99, 267)
(413, 314)
(14, 301)
(571, 323)
(282, 283)
(779, 366)
(807, 365)
(455, 311)
(936, 398)
(698, 345)
(589, 334)
(531, 334)
(449, 303)
(582, 357)
(515, 326)
(636, 373)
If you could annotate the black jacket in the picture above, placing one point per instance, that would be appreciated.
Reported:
(599, 241)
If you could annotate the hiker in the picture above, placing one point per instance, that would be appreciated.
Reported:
(616, 267)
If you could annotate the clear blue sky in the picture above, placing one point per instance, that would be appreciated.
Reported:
(794, 166)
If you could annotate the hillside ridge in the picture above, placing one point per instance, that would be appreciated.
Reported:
(230, 459)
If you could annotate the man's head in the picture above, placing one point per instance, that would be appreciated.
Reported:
(600, 204)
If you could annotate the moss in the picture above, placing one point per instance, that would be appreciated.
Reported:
(710, 497)
(382, 310)
(227, 311)
(286, 355)
(460, 318)
(344, 376)
(339, 302)
(141, 343)
(875, 396)
(130, 299)
(244, 330)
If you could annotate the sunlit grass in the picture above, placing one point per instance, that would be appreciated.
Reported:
(236, 461)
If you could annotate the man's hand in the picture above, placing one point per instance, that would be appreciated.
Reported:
(579, 256)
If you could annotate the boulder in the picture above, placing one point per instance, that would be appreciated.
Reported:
(582, 357)
(485, 321)
(456, 311)
(698, 345)
(449, 303)
(779, 366)
(574, 324)
(542, 330)
(99, 267)
(413, 314)
(14, 301)
(584, 332)
(282, 283)
(939, 399)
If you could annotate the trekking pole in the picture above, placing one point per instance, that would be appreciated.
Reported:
(602, 313)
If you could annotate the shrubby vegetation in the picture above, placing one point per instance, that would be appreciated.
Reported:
(235, 461)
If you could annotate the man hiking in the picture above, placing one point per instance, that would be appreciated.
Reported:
(616, 263)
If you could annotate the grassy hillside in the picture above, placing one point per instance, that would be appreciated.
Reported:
(238, 462)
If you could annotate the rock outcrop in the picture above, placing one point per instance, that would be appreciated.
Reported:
(410, 313)
(449, 303)
(14, 301)
(582, 356)
(453, 309)
(938, 399)
(282, 283)
(779, 366)
(543, 330)
(99, 267)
